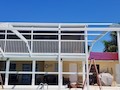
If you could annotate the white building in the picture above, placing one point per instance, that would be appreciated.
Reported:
(58, 51)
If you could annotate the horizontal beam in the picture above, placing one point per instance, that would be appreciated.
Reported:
(90, 29)
(65, 29)
(91, 34)
(17, 23)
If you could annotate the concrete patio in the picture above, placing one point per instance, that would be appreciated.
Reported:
(91, 88)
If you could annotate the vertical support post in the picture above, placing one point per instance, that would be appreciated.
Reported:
(59, 61)
(86, 52)
(83, 69)
(1, 81)
(31, 41)
(7, 72)
(33, 72)
(118, 43)
(5, 40)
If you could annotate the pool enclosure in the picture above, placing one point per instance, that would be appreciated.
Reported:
(29, 52)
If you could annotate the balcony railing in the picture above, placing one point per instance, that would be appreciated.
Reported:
(45, 46)
(72, 47)
(42, 46)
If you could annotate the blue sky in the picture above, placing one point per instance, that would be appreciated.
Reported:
(99, 46)
(60, 11)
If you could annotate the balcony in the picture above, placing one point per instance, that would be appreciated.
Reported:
(42, 46)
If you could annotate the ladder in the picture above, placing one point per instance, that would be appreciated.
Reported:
(92, 61)
(1, 81)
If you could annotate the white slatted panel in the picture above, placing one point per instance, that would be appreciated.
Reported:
(16, 46)
(2, 44)
(45, 46)
(72, 47)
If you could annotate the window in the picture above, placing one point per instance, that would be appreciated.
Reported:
(12, 37)
(55, 37)
(27, 67)
(72, 37)
(12, 67)
(2, 36)
(2, 65)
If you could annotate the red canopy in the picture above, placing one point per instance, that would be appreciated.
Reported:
(104, 55)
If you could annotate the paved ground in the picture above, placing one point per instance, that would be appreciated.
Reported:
(91, 88)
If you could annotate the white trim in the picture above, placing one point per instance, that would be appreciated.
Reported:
(5, 40)
(80, 73)
(91, 34)
(2, 72)
(91, 29)
(54, 24)
(46, 72)
(64, 29)
(33, 72)
(86, 51)
(31, 42)
(30, 72)
(7, 74)
(83, 68)
(118, 44)
(59, 60)
(47, 40)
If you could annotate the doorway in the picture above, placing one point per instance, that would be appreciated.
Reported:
(73, 68)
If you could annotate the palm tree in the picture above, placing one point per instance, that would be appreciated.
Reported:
(111, 46)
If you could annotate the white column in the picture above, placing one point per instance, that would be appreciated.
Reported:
(5, 40)
(83, 70)
(31, 41)
(7, 72)
(59, 62)
(86, 52)
(33, 72)
(118, 43)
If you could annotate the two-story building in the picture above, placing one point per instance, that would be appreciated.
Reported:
(56, 53)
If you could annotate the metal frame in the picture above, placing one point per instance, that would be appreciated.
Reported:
(59, 27)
